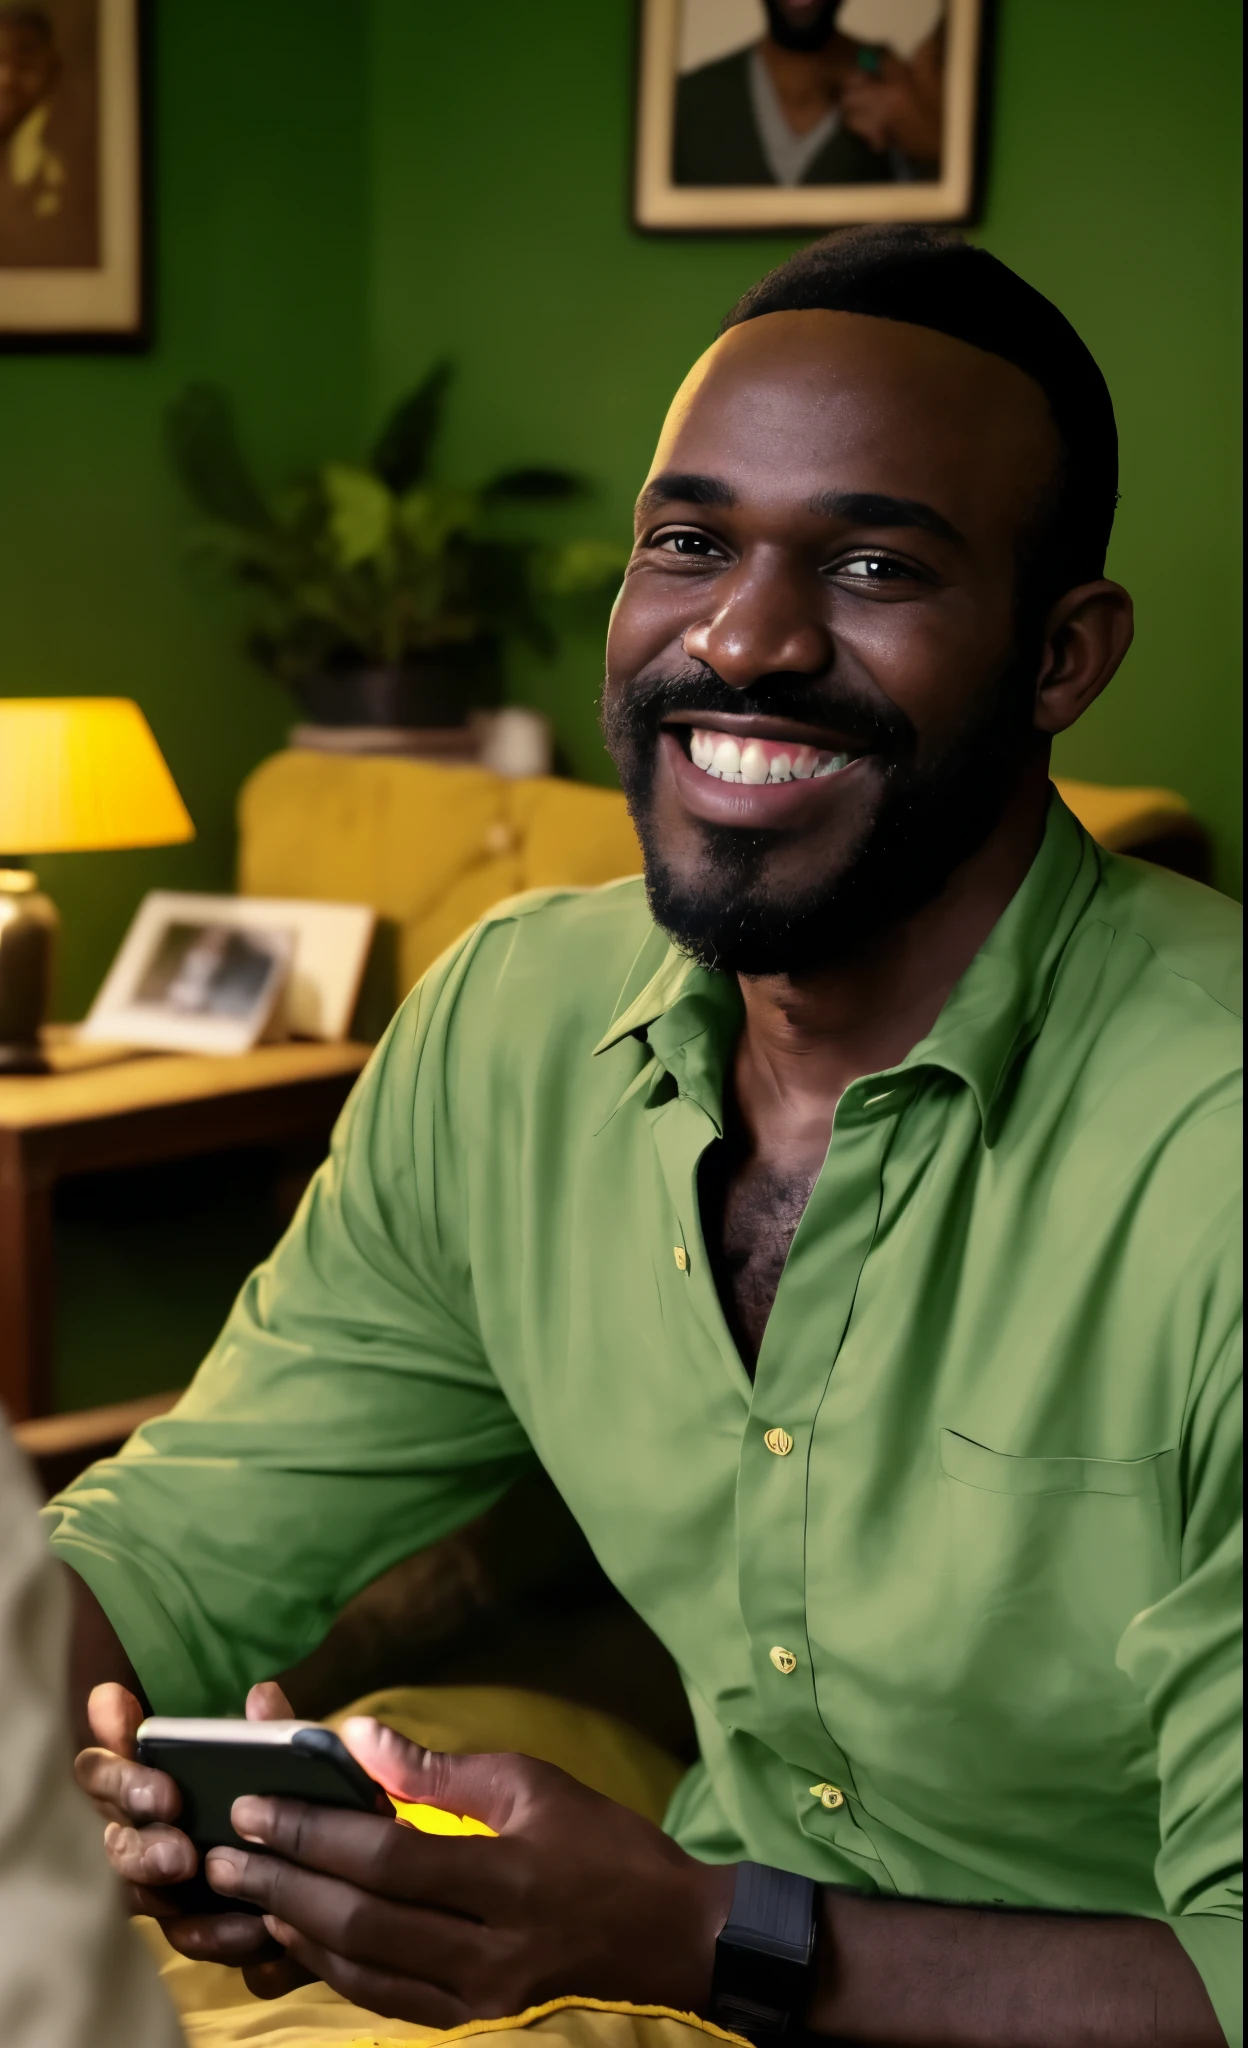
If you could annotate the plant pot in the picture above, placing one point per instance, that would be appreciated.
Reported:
(438, 689)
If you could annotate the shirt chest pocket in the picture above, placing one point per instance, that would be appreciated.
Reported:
(974, 1465)
(1046, 1560)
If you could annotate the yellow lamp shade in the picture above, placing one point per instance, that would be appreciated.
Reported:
(80, 774)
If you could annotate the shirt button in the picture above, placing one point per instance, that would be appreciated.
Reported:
(681, 1257)
(783, 1659)
(830, 1796)
(779, 1441)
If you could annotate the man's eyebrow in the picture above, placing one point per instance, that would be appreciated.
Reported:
(869, 508)
(687, 487)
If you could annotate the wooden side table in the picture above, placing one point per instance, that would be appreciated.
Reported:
(104, 1108)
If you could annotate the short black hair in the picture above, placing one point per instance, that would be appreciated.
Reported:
(933, 278)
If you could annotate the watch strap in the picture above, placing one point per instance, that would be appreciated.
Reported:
(764, 1957)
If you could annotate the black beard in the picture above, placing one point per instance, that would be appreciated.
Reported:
(930, 820)
(815, 34)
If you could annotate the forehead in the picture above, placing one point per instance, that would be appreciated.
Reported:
(791, 404)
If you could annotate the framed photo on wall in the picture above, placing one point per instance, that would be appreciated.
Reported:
(806, 114)
(71, 174)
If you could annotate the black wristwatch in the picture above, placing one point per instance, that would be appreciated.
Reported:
(765, 1955)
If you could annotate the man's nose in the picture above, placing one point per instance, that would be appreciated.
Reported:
(766, 621)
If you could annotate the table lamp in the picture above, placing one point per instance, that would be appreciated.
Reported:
(77, 775)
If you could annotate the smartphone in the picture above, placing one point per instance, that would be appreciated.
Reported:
(213, 1763)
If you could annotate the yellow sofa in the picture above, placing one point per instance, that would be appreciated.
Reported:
(432, 847)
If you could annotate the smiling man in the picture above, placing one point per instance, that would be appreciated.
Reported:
(847, 1222)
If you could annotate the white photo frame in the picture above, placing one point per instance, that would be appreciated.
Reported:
(678, 37)
(319, 952)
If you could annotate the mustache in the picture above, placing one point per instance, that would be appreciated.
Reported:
(636, 712)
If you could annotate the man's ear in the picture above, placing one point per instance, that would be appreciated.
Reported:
(1087, 633)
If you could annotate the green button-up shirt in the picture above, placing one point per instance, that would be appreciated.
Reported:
(1001, 1555)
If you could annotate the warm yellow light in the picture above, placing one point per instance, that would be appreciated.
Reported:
(79, 774)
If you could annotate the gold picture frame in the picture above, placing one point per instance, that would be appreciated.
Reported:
(694, 107)
(72, 229)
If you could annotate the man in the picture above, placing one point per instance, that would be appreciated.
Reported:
(48, 204)
(851, 1235)
(809, 105)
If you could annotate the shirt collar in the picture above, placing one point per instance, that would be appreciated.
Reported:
(690, 1017)
(997, 1007)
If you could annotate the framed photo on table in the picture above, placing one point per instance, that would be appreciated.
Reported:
(72, 256)
(219, 973)
(806, 114)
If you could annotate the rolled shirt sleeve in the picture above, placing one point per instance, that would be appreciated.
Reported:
(345, 1418)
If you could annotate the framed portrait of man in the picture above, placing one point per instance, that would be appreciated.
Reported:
(806, 114)
(71, 174)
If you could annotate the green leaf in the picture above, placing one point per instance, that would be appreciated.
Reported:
(534, 486)
(431, 513)
(201, 433)
(401, 456)
(581, 565)
(361, 513)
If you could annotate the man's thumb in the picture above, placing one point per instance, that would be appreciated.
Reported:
(113, 1715)
(439, 1794)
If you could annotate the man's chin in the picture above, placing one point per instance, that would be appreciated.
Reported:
(734, 923)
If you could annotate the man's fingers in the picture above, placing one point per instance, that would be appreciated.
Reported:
(267, 1702)
(130, 1789)
(446, 1949)
(114, 1716)
(238, 1939)
(149, 1856)
(394, 1997)
(276, 1976)
(462, 1874)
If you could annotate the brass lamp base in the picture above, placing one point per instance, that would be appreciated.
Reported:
(28, 928)
(23, 1059)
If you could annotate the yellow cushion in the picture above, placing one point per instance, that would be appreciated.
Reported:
(1122, 818)
(433, 848)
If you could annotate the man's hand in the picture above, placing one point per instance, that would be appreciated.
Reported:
(150, 1853)
(899, 105)
(577, 1894)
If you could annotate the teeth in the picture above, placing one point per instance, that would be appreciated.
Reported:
(726, 760)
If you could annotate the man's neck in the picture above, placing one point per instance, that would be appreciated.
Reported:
(806, 1040)
(808, 83)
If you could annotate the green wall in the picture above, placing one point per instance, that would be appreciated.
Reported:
(260, 217)
(500, 214)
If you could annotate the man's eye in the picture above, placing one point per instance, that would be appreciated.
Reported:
(872, 569)
(696, 544)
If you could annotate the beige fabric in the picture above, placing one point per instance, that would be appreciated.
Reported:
(218, 2012)
(72, 1974)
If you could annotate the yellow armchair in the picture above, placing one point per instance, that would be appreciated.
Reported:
(431, 848)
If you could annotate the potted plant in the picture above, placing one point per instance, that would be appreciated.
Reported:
(387, 596)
